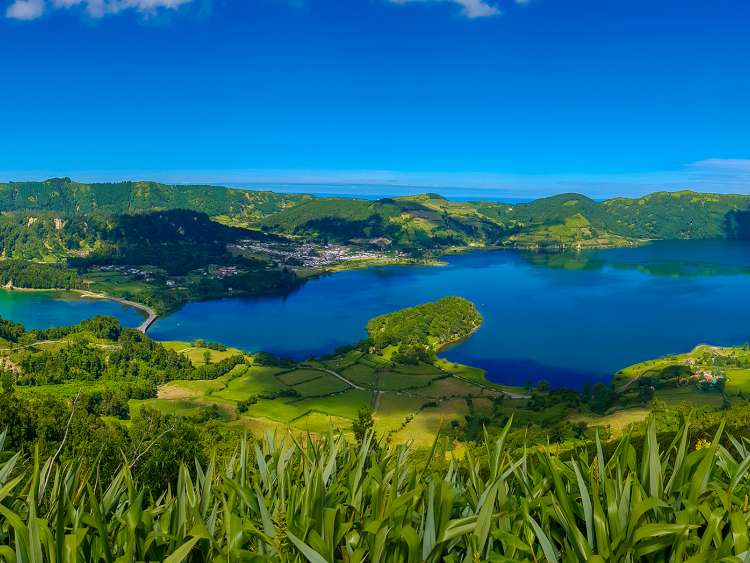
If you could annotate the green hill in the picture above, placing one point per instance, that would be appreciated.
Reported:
(678, 215)
(412, 223)
(72, 198)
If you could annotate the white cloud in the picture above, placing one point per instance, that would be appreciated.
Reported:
(32, 9)
(25, 9)
(469, 8)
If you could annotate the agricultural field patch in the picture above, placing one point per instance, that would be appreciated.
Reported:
(421, 431)
(193, 388)
(280, 410)
(346, 405)
(738, 380)
(338, 363)
(361, 374)
(419, 369)
(181, 407)
(321, 423)
(393, 410)
(689, 395)
(394, 381)
(298, 376)
(448, 387)
(617, 422)
(255, 381)
(324, 385)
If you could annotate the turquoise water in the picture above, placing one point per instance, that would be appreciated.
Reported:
(42, 309)
(568, 318)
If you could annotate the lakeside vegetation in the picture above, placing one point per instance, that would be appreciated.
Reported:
(32, 275)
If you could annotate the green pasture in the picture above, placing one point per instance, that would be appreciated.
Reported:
(324, 385)
(298, 376)
(738, 380)
(255, 381)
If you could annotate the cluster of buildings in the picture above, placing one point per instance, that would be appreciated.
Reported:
(309, 255)
(222, 271)
(701, 376)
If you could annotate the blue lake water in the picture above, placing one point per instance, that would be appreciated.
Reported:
(568, 318)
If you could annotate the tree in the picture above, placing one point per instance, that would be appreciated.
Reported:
(362, 424)
(602, 397)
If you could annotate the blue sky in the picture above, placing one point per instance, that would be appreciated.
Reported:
(521, 98)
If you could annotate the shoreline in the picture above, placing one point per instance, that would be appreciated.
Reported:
(151, 315)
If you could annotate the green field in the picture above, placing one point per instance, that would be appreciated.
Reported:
(345, 405)
(361, 373)
(410, 398)
(299, 376)
(322, 386)
(738, 380)
(254, 381)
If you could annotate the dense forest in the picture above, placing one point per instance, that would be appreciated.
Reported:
(178, 241)
(18, 273)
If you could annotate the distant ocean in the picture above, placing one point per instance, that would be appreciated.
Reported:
(373, 192)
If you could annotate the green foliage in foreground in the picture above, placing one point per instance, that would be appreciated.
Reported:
(325, 501)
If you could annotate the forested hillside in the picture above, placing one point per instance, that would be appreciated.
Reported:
(412, 223)
(72, 198)
(567, 220)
